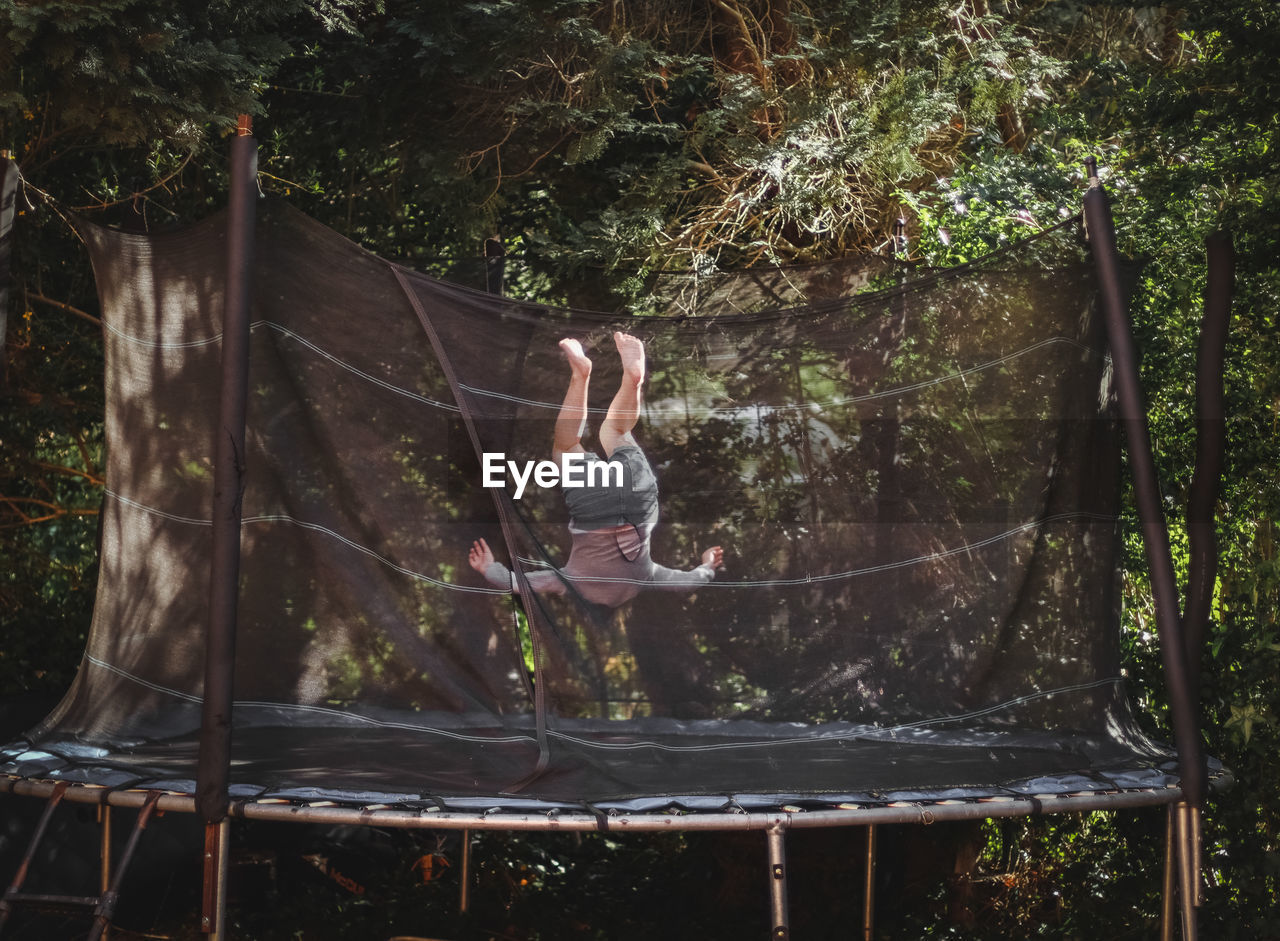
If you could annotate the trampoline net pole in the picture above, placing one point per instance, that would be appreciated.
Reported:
(229, 450)
(1173, 644)
(1155, 535)
(1210, 445)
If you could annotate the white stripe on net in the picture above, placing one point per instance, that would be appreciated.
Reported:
(317, 528)
(347, 717)
(132, 678)
(866, 733)
(279, 328)
(710, 411)
(541, 565)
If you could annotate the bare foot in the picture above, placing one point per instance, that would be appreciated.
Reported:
(578, 361)
(631, 350)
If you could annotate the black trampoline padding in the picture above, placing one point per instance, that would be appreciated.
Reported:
(750, 767)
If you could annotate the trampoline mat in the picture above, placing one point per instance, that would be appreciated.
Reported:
(717, 765)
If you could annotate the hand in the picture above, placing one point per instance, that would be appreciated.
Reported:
(480, 556)
(713, 557)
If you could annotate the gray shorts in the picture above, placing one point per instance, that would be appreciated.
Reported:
(602, 506)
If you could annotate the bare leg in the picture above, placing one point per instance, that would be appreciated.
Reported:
(572, 419)
(624, 410)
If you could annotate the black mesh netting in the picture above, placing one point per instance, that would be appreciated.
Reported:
(913, 477)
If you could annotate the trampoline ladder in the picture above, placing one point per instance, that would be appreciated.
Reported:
(99, 907)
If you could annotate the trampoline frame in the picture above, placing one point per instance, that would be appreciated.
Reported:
(1176, 883)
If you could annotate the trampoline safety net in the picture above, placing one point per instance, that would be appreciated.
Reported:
(913, 477)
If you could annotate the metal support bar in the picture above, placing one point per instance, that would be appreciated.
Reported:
(217, 850)
(464, 874)
(56, 901)
(13, 893)
(103, 906)
(104, 881)
(107, 902)
(1169, 887)
(781, 926)
(1188, 870)
(563, 821)
(1197, 854)
(869, 886)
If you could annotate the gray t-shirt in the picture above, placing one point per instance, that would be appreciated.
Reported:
(606, 566)
(609, 561)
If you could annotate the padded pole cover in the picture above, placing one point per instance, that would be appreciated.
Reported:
(229, 470)
(1210, 444)
(1146, 490)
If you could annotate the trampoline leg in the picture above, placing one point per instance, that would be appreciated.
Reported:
(1197, 855)
(778, 882)
(869, 886)
(1189, 869)
(104, 882)
(217, 849)
(464, 867)
(1170, 874)
(106, 903)
(20, 877)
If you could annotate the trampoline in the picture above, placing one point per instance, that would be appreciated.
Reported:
(914, 475)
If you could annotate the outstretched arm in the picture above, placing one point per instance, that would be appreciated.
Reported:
(495, 573)
(499, 576)
(481, 556)
(676, 580)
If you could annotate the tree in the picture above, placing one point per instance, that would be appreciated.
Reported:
(110, 109)
(653, 133)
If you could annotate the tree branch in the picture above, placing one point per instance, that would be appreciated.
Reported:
(83, 315)
(71, 472)
(53, 511)
(158, 184)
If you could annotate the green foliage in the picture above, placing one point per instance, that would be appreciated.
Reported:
(108, 108)
(649, 134)
(125, 72)
(50, 479)
(664, 134)
(1184, 136)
